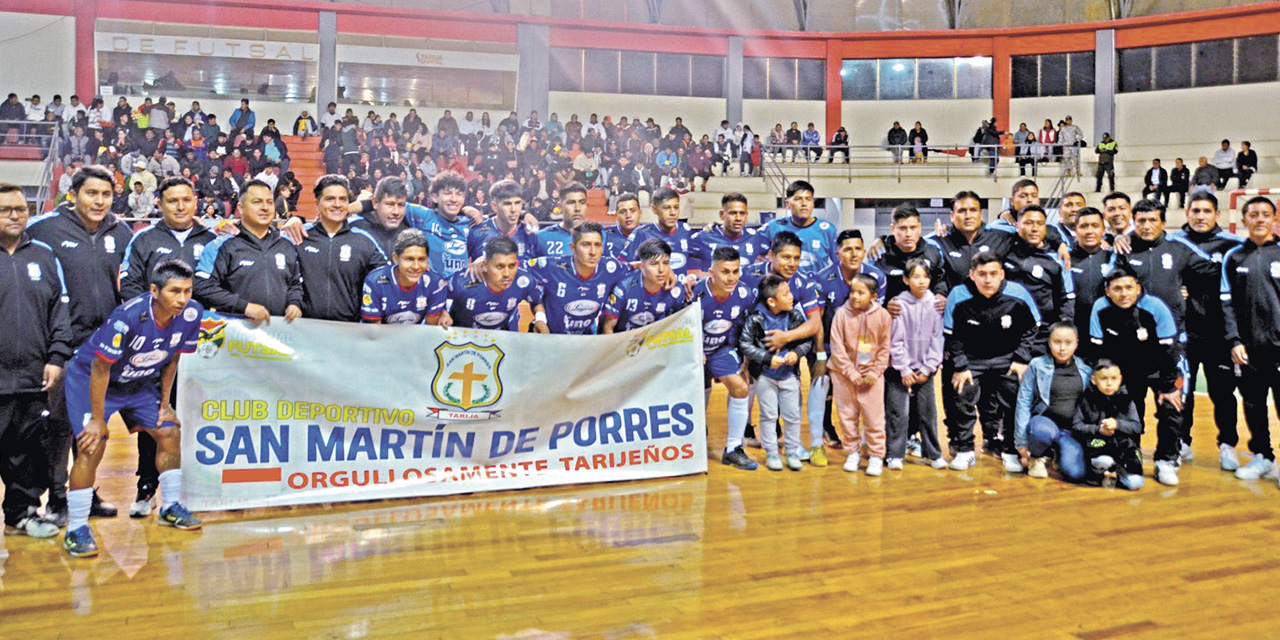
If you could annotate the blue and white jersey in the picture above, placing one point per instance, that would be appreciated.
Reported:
(722, 320)
(473, 305)
(634, 307)
(137, 347)
(449, 254)
(574, 303)
(615, 242)
(835, 291)
(680, 239)
(818, 238)
(750, 245)
(807, 293)
(384, 300)
(552, 242)
(481, 234)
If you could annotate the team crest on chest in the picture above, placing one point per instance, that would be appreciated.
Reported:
(109, 244)
(33, 271)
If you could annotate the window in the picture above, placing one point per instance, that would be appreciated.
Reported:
(708, 76)
(600, 71)
(937, 79)
(1135, 69)
(1081, 73)
(973, 77)
(1257, 59)
(637, 73)
(811, 79)
(782, 79)
(1026, 76)
(566, 69)
(673, 74)
(755, 78)
(858, 79)
(1215, 63)
(897, 79)
(1173, 66)
(1053, 74)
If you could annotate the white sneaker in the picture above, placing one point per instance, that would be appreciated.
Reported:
(939, 463)
(1227, 457)
(1256, 468)
(875, 466)
(1012, 463)
(142, 508)
(852, 463)
(1103, 463)
(1038, 469)
(964, 460)
(34, 526)
(1185, 452)
(1167, 472)
(894, 464)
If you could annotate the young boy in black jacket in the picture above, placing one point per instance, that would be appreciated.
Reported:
(776, 373)
(1107, 427)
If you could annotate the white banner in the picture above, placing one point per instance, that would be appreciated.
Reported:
(206, 47)
(317, 411)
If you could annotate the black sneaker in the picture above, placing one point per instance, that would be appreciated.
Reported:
(739, 458)
(100, 508)
(56, 513)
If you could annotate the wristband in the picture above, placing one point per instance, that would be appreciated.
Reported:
(822, 356)
(540, 316)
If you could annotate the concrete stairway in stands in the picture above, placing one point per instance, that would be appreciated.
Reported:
(306, 161)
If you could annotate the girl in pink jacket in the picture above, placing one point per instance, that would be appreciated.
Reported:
(860, 335)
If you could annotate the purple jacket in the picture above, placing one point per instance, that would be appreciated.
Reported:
(916, 344)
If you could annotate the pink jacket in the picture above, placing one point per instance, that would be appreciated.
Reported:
(849, 328)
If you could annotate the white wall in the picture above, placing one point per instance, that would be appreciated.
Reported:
(947, 121)
(763, 114)
(38, 55)
(1202, 116)
(1034, 111)
(700, 115)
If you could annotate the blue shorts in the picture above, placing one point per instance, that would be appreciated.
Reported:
(140, 409)
(724, 362)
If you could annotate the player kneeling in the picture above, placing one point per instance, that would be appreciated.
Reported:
(128, 367)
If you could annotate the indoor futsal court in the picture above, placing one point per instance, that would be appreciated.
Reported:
(730, 554)
(502, 169)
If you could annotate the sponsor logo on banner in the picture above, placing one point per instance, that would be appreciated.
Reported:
(467, 378)
(658, 340)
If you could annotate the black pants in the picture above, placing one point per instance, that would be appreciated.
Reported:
(989, 400)
(910, 410)
(1109, 170)
(1260, 376)
(1244, 175)
(1223, 176)
(24, 467)
(1182, 196)
(1168, 419)
(1122, 447)
(832, 151)
(1162, 193)
(1220, 374)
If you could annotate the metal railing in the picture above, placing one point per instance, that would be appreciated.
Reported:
(782, 163)
(44, 137)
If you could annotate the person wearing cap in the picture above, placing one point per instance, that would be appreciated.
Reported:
(141, 173)
(1106, 151)
(1070, 137)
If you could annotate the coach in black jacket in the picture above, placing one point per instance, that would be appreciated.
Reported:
(36, 334)
(335, 256)
(255, 272)
(176, 236)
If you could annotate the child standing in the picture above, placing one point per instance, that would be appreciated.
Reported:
(1108, 428)
(860, 334)
(915, 353)
(776, 374)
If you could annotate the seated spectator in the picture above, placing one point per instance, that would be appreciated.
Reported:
(142, 202)
(897, 139)
(243, 120)
(1246, 163)
(840, 144)
(305, 126)
(78, 148)
(812, 140)
(793, 141)
(1224, 160)
(1206, 176)
(700, 162)
(1179, 182)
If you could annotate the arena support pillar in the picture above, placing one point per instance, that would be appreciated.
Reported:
(86, 56)
(1001, 81)
(733, 94)
(533, 85)
(835, 88)
(327, 64)
(1104, 85)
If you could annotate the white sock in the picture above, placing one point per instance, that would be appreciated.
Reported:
(737, 414)
(170, 486)
(78, 503)
(816, 407)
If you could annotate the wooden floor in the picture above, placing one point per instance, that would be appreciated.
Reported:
(732, 554)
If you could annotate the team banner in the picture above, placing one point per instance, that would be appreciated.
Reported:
(314, 411)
